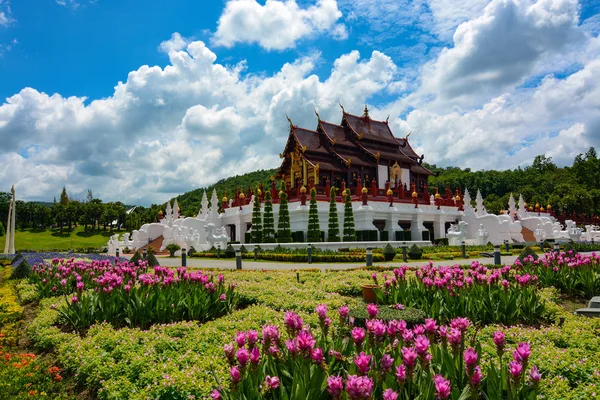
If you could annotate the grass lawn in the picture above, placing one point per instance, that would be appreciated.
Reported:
(52, 239)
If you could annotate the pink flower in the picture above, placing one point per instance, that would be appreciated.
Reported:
(359, 387)
(522, 352)
(534, 375)
(407, 336)
(343, 311)
(409, 356)
(274, 350)
(454, 337)
(374, 277)
(421, 345)
(372, 310)
(293, 321)
(386, 362)
(477, 376)
(470, 356)
(74, 299)
(235, 375)
(243, 355)
(515, 369)
(442, 387)
(363, 362)
(399, 306)
(376, 327)
(335, 385)
(401, 373)
(430, 326)
(305, 340)
(252, 338)
(389, 394)
(215, 395)
(229, 351)
(358, 335)
(240, 339)
(255, 356)
(271, 382)
(460, 323)
(223, 297)
(80, 286)
(317, 356)
(321, 311)
(270, 334)
(500, 341)
(291, 346)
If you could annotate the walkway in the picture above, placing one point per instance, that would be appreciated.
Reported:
(229, 263)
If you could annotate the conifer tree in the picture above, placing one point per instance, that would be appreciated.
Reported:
(256, 220)
(333, 232)
(349, 231)
(284, 232)
(268, 221)
(314, 228)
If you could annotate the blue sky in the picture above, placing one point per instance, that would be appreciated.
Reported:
(142, 100)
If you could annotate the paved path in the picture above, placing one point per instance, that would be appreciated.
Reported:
(258, 265)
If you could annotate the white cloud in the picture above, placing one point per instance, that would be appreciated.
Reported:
(499, 49)
(168, 130)
(276, 25)
(176, 43)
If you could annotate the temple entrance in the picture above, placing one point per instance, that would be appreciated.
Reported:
(429, 227)
(232, 232)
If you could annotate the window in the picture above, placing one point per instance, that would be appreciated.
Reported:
(323, 181)
(354, 183)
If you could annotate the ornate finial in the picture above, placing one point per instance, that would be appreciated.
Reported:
(290, 121)
(387, 120)
(12, 189)
(389, 192)
(317, 114)
(406, 138)
(303, 189)
(366, 114)
(349, 162)
(344, 111)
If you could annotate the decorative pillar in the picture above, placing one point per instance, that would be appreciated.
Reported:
(401, 191)
(274, 192)
(415, 196)
(343, 188)
(365, 196)
(426, 195)
(373, 188)
(390, 196)
(327, 187)
(437, 199)
(224, 205)
(242, 197)
(303, 196)
(358, 186)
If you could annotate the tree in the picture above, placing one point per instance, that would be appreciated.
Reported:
(1, 229)
(268, 220)
(349, 231)
(172, 248)
(333, 231)
(64, 199)
(256, 220)
(284, 232)
(314, 228)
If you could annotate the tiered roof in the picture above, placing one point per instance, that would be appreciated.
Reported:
(357, 140)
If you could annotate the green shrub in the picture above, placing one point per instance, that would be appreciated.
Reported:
(526, 253)
(243, 249)
(136, 258)
(415, 252)
(412, 316)
(126, 250)
(2, 232)
(389, 253)
(21, 271)
(441, 241)
(314, 227)
(151, 258)
(172, 248)
(229, 251)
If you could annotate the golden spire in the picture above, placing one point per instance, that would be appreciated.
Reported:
(317, 114)
(366, 114)
(290, 121)
(344, 111)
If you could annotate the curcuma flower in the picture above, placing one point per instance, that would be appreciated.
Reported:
(389, 394)
(534, 375)
(359, 387)
(442, 387)
(515, 369)
(271, 382)
(522, 352)
(372, 310)
(470, 357)
(358, 335)
(363, 362)
(386, 362)
(235, 375)
(335, 386)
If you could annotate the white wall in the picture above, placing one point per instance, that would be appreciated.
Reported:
(382, 175)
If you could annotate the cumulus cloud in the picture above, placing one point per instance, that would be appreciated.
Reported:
(276, 25)
(499, 49)
(176, 43)
(168, 130)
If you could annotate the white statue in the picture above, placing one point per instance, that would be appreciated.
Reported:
(9, 243)
(214, 205)
(216, 235)
(203, 212)
(457, 233)
(467, 201)
(482, 236)
(511, 205)
(175, 210)
(574, 232)
(539, 234)
(479, 202)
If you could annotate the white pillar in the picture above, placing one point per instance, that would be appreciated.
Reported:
(8, 229)
(11, 249)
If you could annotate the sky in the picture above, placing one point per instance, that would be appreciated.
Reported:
(140, 101)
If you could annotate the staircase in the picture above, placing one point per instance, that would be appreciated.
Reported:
(527, 235)
(156, 245)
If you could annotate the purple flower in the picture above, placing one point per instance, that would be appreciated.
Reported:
(252, 338)
(454, 337)
(515, 369)
(321, 311)
(215, 395)
(271, 382)
(229, 350)
(460, 323)
(389, 394)
(235, 375)
(270, 334)
(359, 387)
(243, 355)
(470, 356)
(335, 385)
(409, 356)
(401, 373)
(240, 339)
(376, 327)
(372, 310)
(292, 346)
(363, 362)
(317, 355)
(293, 321)
(305, 340)
(74, 299)
(223, 297)
(80, 286)
(386, 362)
(500, 341)
(358, 335)
(522, 352)
(254, 356)
(343, 311)
(430, 326)
(442, 387)
(477, 376)
(534, 375)
(421, 345)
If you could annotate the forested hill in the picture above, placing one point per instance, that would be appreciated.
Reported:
(189, 203)
(574, 188)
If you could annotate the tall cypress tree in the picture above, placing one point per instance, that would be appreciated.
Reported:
(349, 231)
(314, 228)
(333, 233)
(268, 220)
(257, 234)
(284, 232)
